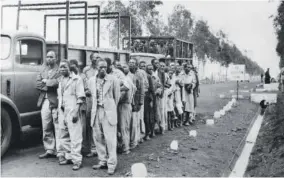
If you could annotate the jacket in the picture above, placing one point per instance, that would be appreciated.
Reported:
(111, 96)
(49, 88)
(137, 79)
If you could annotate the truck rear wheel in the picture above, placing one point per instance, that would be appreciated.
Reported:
(6, 131)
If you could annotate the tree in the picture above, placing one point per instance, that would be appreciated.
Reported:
(279, 27)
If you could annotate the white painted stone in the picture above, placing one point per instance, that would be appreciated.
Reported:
(209, 122)
(232, 91)
(245, 86)
(217, 115)
(260, 90)
(240, 96)
(174, 145)
(222, 96)
(193, 133)
(222, 112)
(139, 170)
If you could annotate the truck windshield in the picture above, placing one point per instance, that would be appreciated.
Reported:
(5, 47)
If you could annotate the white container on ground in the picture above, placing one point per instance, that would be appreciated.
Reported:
(193, 133)
(209, 122)
(139, 170)
(174, 145)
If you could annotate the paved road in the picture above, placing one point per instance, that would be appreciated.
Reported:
(206, 155)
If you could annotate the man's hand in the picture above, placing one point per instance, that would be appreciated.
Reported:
(88, 93)
(43, 80)
(75, 118)
(151, 104)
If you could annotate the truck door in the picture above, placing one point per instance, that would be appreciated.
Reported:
(28, 60)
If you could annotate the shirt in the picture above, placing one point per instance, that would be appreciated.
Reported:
(64, 83)
(100, 85)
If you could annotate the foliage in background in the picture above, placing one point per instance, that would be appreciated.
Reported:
(279, 27)
(146, 18)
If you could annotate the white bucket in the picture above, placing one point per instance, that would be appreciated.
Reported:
(174, 145)
(139, 170)
(193, 133)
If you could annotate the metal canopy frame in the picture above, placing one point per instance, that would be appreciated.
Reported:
(94, 18)
(67, 3)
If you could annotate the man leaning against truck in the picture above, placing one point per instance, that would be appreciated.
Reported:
(47, 84)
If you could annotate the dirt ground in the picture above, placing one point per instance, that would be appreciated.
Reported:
(267, 158)
(209, 154)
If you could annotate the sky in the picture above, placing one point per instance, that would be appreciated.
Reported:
(246, 23)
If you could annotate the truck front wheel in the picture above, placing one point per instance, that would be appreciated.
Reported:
(6, 131)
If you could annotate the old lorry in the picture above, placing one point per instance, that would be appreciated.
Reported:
(164, 48)
(22, 57)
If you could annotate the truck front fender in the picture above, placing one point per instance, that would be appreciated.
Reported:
(13, 111)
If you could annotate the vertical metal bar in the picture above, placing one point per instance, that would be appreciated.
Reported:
(67, 27)
(86, 24)
(94, 32)
(59, 39)
(2, 13)
(44, 26)
(99, 27)
(182, 49)
(18, 15)
(118, 33)
(175, 50)
(129, 46)
(237, 90)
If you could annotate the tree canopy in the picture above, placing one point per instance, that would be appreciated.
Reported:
(181, 24)
(279, 27)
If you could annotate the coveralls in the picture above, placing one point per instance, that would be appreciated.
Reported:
(70, 94)
(125, 112)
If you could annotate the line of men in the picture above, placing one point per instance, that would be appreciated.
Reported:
(110, 107)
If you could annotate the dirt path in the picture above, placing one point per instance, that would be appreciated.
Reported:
(206, 155)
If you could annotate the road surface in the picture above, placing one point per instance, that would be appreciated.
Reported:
(208, 154)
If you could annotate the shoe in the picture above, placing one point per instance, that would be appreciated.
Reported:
(110, 171)
(92, 154)
(132, 147)
(46, 155)
(99, 166)
(147, 138)
(141, 140)
(61, 159)
(64, 161)
(153, 135)
(126, 152)
(186, 124)
(76, 167)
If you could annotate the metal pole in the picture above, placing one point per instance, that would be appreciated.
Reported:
(118, 33)
(94, 32)
(2, 13)
(67, 27)
(237, 90)
(44, 26)
(59, 40)
(18, 15)
(86, 24)
(99, 27)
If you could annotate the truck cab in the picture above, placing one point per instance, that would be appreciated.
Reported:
(22, 56)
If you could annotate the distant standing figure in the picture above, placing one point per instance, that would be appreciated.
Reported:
(267, 77)
(261, 76)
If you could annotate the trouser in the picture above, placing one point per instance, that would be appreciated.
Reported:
(187, 117)
(170, 119)
(124, 117)
(164, 110)
(134, 129)
(179, 115)
(160, 114)
(91, 147)
(141, 121)
(148, 116)
(105, 136)
(71, 137)
(83, 118)
(50, 128)
(282, 88)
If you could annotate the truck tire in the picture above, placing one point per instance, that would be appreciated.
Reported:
(6, 131)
